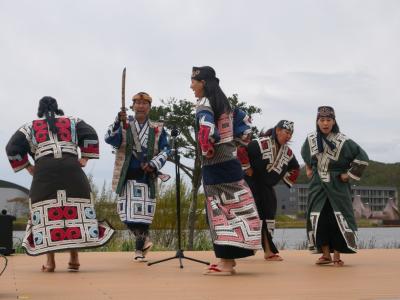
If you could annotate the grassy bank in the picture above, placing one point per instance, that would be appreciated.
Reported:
(284, 221)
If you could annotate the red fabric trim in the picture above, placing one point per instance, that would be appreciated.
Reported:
(203, 138)
(17, 163)
(91, 148)
(264, 144)
(243, 155)
(293, 175)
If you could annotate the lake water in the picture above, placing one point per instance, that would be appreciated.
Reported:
(380, 237)
(291, 238)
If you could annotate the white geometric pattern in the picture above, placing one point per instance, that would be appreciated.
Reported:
(269, 151)
(134, 205)
(233, 216)
(53, 145)
(349, 235)
(338, 139)
(40, 226)
(143, 132)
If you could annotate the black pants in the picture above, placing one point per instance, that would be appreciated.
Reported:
(231, 252)
(328, 232)
(266, 202)
(267, 237)
(141, 232)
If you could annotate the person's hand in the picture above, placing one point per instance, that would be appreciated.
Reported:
(210, 152)
(246, 138)
(122, 116)
(249, 172)
(83, 161)
(30, 169)
(308, 171)
(147, 168)
(344, 177)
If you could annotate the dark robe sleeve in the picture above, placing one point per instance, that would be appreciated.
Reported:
(88, 140)
(17, 151)
(359, 160)
(305, 153)
(292, 172)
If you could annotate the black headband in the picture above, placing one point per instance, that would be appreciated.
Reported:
(285, 124)
(203, 73)
(326, 111)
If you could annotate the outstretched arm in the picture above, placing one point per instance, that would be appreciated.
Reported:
(158, 161)
(113, 135)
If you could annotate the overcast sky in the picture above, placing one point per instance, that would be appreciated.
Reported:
(286, 57)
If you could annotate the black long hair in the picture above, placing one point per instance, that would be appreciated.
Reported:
(269, 132)
(48, 107)
(218, 101)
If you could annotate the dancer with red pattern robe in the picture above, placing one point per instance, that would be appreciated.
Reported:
(62, 215)
(231, 211)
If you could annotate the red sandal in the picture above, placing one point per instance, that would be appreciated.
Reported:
(217, 271)
(323, 260)
(338, 263)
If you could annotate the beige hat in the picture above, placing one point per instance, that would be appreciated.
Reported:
(142, 96)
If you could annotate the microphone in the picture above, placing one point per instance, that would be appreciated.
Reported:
(174, 132)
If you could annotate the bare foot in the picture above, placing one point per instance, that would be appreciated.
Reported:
(48, 268)
(50, 263)
(216, 270)
(73, 264)
(73, 267)
(273, 257)
(227, 265)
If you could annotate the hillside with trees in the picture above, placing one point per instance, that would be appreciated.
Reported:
(376, 174)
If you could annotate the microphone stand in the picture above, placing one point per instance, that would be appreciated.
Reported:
(179, 252)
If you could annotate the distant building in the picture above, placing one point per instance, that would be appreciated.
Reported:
(287, 200)
(375, 197)
(293, 201)
(14, 198)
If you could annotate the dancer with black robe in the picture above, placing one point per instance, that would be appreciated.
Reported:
(271, 161)
(62, 214)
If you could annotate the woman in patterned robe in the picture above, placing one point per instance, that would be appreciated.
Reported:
(331, 160)
(271, 160)
(62, 215)
(231, 211)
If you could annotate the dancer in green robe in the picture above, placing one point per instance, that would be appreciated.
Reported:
(332, 159)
